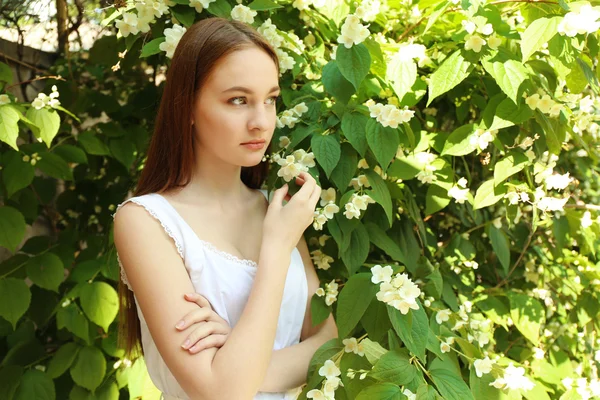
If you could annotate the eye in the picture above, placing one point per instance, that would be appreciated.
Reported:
(272, 100)
(237, 101)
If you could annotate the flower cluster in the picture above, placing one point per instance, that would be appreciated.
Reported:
(482, 138)
(292, 165)
(147, 12)
(290, 117)
(269, 32)
(172, 37)
(330, 292)
(321, 260)
(353, 32)
(33, 159)
(513, 379)
(483, 366)
(460, 191)
(359, 182)
(476, 26)
(332, 381)
(544, 103)
(42, 100)
(327, 210)
(580, 22)
(357, 204)
(351, 345)
(399, 292)
(389, 115)
(426, 175)
(411, 51)
(304, 4)
(243, 14)
(368, 10)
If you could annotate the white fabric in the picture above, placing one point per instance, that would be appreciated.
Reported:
(223, 279)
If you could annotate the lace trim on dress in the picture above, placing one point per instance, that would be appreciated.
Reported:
(166, 228)
(227, 255)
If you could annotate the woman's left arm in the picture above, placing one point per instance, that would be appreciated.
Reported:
(289, 366)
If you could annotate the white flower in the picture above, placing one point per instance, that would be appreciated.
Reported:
(320, 292)
(172, 37)
(558, 181)
(330, 298)
(381, 274)
(586, 220)
(401, 293)
(316, 394)
(532, 101)
(483, 366)
(514, 378)
(284, 141)
(200, 5)
(300, 109)
(321, 259)
(351, 211)
(269, 31)
(368, 10)
(475, 43)
(128, 25)
(427, 175)
(410, 395)
(4, 99)
(494, 42)
(351, 345)
(408, 52)
(469, 26)
(353, 32)
(301, 4)
(538, 353)
(481, 138)
(330, 209)
(320, 219)
(289, 169)
(445, 347)
(581, 22)
(286, 62)
(555, 110)
(329, 370)
(462, 182)
(243, 14)
(545, 104)
(38, 103)
(329, 387)
(327, 196)
(443, 316)
(458, 194)
(551, 204)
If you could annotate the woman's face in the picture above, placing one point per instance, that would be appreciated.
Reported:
(236, 105)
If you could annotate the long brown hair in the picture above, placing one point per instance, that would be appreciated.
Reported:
(170, 158)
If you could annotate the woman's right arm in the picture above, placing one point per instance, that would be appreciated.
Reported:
(159, 280)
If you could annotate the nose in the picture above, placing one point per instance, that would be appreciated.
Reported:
(261, 117)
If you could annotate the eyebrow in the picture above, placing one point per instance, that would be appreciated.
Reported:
(246, 90)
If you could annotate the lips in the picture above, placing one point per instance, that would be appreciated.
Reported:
(260, 141)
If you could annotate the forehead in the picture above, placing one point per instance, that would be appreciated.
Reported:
(252, 68)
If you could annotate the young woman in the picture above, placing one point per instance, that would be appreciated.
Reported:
(198, 224)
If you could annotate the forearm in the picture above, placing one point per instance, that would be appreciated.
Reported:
(246, 355)
(289, 366)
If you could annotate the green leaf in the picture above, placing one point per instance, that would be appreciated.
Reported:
(6, 74)
(123, 150)
(92, 144)
(47, 120)
(62, 359)
(335, 83)
(353, 301)
(358, 250)
(481, 388)
(402, 74)
(301, 132)
(412, 328)
(72, 319)
(450, 385)
(437, 12)
(35, 385)
(380, 193)
(554, 132)
(184, 14)
(12, 228)
(9, 128)
(263, 5)
(381, 391)
(381, 239)
(514, 162)
(15, 298)
(100, 303)
(538, 33)
(495, 310)
(327, 151)
(46, 271)
(508, 114)
(459, 141)
(501, 247)
(508, 73)
(342, 174)
(354, 129)
(17, 174)
(10, 377)
(319, 311)
(373, 350)
(55, 166)
(436, 199)
(89, 368)
(71, 154)
(394, 367)
(527, 314)
(488, 194)
(220, 8)
(452, 72)
(152, 47)
(383, 141)
(353, 63)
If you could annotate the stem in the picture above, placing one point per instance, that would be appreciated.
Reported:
(39, 78)
(592, 207)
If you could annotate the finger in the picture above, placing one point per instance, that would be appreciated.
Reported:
(203, 330)
(195, 316)
(208, 342)
(198, 299)
(315, 196)
(279, 195)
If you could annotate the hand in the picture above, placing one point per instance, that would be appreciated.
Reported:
(209, 329)
(285, 224)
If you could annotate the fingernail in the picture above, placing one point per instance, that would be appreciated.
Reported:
(180, 324)
(186, 344)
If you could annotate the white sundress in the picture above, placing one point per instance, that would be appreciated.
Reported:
(225, 281)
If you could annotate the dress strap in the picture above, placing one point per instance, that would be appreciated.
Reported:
(152, 205)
